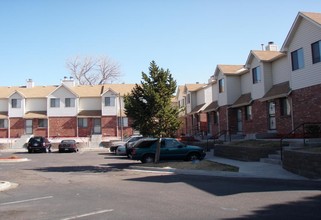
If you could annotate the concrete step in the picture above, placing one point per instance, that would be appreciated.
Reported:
(271, 161)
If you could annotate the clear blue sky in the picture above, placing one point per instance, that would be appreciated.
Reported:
(188, 37)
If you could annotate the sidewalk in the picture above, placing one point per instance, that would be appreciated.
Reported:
(255, 169)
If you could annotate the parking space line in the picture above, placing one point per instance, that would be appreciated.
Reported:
(27, 200)
(88, 214)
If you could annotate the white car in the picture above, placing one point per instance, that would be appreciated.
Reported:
(115, 145)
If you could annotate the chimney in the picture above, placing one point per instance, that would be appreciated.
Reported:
(68, 82)
(30, 83)
(271, 46)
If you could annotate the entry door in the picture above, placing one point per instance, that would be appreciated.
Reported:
(97, 126)
(239, 121)
(272, 120)
(28, 126)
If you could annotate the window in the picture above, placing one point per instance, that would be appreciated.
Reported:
(256, 75)
(248, 112)
(82, 122)
(272, 120)
(55, 103)
(109, 101)
(69, 102)
(42, 123)
(316, 52)
(123, 122)
(285, 107)
(3, 123)
(297, 59)
(221, 85)
(16, 103)
(188, 98)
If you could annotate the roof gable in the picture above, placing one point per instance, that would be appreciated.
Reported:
(314, 18)
(263, 56)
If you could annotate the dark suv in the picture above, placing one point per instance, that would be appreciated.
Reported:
(38, 144)
(145, 149)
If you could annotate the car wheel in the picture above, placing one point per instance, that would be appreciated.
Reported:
(148, 158)
(193, 156)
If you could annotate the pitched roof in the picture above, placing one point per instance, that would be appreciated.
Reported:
(197, 109)
(35, 114)
(34, 92)
(89, 113)
(194, 87)
(243, 100)
(316, 17)
(3, 115)
(266, 55)
(211, 107)
(230, 69)
(277, 91)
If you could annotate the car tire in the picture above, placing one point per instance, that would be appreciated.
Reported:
(148, 158)
(193, 156)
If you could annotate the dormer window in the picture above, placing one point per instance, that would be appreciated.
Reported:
(16, 103)
(221, 86)
(256, 75)
(109, 101)
(55, 103)
(297, 59)
(316, 52)
(69, 102)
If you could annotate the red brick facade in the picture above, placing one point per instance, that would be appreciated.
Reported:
(63, 127)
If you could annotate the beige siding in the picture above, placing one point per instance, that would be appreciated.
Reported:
(90, 104)
(3, 105)
(267, 76)
(306, 34)
(222, 97)
(36, 104)
(233, 87)
(246, 83)
(280, 71)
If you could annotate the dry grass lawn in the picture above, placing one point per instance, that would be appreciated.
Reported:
(194, 165)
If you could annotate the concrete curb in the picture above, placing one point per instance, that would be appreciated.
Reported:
(4, 185)
(7, 160)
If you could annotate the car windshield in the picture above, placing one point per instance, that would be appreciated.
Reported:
(36, 139)
(68, 142)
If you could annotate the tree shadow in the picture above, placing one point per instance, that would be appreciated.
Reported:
(308, 208)
(224, 186)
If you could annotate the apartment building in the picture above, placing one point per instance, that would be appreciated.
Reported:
(67, 110)
(273, 92)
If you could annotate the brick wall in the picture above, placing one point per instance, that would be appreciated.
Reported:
(3, 133)
(109, 125)
(306, 105)
(16, 127)
(63, 127)
(307, 164)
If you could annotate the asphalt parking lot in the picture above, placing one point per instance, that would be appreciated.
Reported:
(99, 185)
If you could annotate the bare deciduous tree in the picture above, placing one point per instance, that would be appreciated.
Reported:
(93, 71)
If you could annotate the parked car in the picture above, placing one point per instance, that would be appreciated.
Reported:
(145, 149)
(68, 145)
(121, 150)
(38, 144)
(116, 144)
